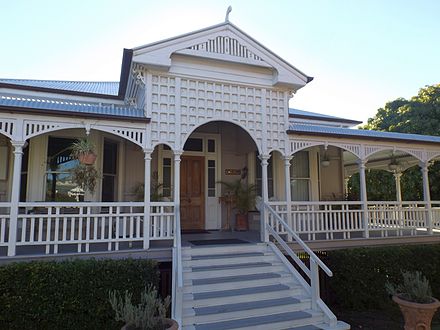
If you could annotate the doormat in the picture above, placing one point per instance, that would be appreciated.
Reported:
(219, 241)
(194, 231)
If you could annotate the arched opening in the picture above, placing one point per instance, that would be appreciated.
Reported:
(216, 156)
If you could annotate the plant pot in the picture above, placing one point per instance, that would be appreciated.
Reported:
(87, 158)
(417, 316)
(169, 324)
(241, 222)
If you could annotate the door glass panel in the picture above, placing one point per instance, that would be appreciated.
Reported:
(211, 178)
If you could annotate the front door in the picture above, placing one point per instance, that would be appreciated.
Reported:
(192, 193)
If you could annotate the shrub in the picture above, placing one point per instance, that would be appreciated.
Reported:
(68, 294)
(360, 274)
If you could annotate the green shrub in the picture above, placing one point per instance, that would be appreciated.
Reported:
(68, 294)
(360, 274)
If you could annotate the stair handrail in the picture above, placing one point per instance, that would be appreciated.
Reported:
(177, 269)
(315, 262)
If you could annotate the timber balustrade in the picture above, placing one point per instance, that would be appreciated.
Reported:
(53, 225)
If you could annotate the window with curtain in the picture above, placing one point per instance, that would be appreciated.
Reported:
(300, 177)
(59, 184)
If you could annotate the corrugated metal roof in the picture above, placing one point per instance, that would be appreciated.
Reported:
(362, 133)
(95, 87)
(70, 106)
(298, 112)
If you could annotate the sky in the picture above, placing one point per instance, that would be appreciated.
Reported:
(361, 53)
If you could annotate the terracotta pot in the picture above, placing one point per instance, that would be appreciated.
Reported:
(170, 324)
(241, 222)
(417, 316)
(87, 158)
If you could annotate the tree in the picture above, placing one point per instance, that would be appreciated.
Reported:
(418, 115)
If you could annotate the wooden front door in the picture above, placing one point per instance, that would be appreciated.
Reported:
(192, 193)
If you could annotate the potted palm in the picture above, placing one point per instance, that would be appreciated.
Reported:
(243, 198)
(414, 297)
(149, 314)
(84, 151)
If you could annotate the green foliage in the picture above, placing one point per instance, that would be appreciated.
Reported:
(68, 294)
(81, 147)
(360, 274)
(243, 195)
(418, 115)
(147, 315)
(86, 177)
(415, 288)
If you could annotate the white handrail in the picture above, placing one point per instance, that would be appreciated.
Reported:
(300, 242)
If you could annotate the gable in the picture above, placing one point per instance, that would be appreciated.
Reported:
(225, 43)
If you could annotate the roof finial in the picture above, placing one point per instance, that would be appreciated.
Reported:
(227, 14)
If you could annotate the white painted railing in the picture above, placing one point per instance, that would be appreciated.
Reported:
(274, 224)
(399, 218)
(4, 223)
(330, 220)
(321, 220)
(89, 226)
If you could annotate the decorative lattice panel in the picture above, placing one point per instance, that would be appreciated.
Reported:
(131, 134)
(163, 110)
(297, 145)
(203, 101)
(7, 127)
(353, 148)
(432, 154)
(34, 128)
(276, 113)
(225, 45)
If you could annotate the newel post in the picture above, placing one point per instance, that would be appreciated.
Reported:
(288, 193)
(147, 201)
(426, 195)
(363, 195)
(265, 192)
(15, 196)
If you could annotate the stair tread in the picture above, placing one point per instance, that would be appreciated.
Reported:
(253, 321)
(243, 291)
(305, 327)
(236, 278)
(226, 255)
(233, 266)
(245, 306)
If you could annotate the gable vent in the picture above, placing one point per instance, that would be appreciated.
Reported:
(225, 45)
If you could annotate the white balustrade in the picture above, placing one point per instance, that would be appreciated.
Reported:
(4, 223)
(109, 225)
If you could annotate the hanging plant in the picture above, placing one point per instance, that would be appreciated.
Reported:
(84, 151)
(86, 177)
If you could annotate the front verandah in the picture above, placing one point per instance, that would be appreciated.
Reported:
(86, 227)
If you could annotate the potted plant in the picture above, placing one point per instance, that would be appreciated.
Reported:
(243, 198)
(150, 313)
(414, 297)
(86, 177)
(84, 151)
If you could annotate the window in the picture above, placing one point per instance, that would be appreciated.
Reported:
(211, 178)
(193, 144)
(258, 177)
(59, 185)
(211, 145)
(109, 171)
(166, 173)
(300, 177)
(24, 174)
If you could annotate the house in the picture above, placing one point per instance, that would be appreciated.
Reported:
(188, 112)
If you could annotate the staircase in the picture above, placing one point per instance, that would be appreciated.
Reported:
(247, 286)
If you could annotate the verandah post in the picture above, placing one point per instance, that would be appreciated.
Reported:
(177, 159)
(15, 196)
(288, 194)
(147, 202)
(265, 192)
(426, 195)
(363, 195)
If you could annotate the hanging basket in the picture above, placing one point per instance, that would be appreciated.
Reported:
(87, 158)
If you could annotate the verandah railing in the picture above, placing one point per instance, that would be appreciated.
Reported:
(347, 219)
(4, 223)
(87, 226)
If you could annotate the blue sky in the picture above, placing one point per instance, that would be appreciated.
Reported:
(361, 53)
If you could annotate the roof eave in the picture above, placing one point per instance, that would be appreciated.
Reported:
(342, 120)
(354, 136)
